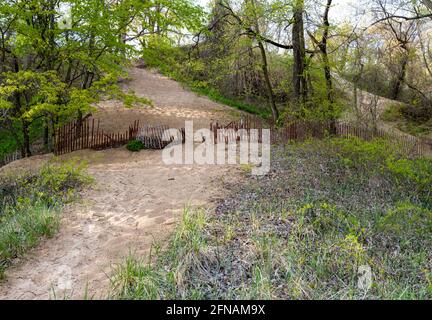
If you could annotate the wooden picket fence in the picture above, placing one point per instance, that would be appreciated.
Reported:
(76, 136)
(302, 130)
(86, 134)
(10, 158)
(156, 137)
(410, 144)
(230, 132)
(252, 129)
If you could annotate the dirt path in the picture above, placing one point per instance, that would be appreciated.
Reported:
(136, 200)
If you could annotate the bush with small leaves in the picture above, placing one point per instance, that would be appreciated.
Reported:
(135, 146)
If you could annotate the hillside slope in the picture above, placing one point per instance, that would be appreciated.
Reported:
(370, 107)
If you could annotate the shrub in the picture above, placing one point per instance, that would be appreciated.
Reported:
(135, 146)
(54, 183)
(414, 172)
(388, 160)
(360, 153)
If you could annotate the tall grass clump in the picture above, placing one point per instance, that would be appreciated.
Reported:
(30, 206)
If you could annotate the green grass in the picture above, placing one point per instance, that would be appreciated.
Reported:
(328, 210)
(214, 95)
(30, 206)
(22, 229)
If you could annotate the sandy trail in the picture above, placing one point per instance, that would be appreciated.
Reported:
(136, 199)
(173, 105)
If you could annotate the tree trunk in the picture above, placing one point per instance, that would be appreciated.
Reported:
(327, 68)
(274, 109)
(26, 139)
(401, 78)
(264, 66)
(299, 68)
(46, 133)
